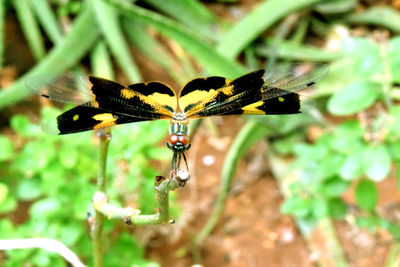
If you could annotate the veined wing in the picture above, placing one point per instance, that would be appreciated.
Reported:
(84, 118)
(151, 100)
(258, 93)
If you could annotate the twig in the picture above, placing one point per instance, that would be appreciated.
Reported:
(44, 243)
(97, 234)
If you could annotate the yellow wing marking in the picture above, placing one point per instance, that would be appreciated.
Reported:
(253, 108)
(206, 97)
(106, 120)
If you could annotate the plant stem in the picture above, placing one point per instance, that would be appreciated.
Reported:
(97, 235)
(249, 134)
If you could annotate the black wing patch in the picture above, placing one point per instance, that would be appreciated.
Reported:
(84, 118)
(261, 93)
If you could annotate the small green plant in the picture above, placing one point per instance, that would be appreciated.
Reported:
(359, 150)
(50, 175)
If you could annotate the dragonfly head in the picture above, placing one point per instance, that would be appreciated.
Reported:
(178, 139)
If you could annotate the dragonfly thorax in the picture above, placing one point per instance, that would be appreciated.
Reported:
(178, 139)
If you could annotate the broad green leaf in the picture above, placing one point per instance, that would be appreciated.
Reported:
(377, 162)
(366, 195)
(334, 187)
(366, 222)
(159, 153)
(29, 189)
(68, 156)
(6, 148)
(365, 55)
(352, 167)
(337, 208)
(353, 98)
(23, 126)
(298, 206)
(70, 235)
(45, 208)
(8, 205)
(320, 208)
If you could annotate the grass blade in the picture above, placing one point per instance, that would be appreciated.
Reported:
(152, 49)
(30, 28)
(206, 55)
(249, 28)
(108, 21)
(47, 19)
(297, 52)
(63, 56)
(101, 62)
(190, 12)
(382, 16)
(250, 133)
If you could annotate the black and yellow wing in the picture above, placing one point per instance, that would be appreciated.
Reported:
(103, 103)
(256, 93)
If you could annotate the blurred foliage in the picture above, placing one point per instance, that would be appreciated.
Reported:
(56, 174)
(358, 144)
(358, 151)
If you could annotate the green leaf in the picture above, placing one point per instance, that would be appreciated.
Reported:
(394, 58)
(250, 27)
(334, 187)
(159, 153)
(29, 189)
(320, 208)
(366, 222)
(108, 21)
(384, 16)
(394, 149)
(84, 32)
(377, 162)
(337, 208)
(202, 52)
(298, 206)
(8, 205)
(365, 56)
(353, 98)
(3, 192)
(30, 28)
(23, 126)
(6, 148)
(190, 12)
(366, 195)
(45, 208)
(352, 167)
(68, 156)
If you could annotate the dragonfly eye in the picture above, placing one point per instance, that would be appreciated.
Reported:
(173, 139)
(184, 139)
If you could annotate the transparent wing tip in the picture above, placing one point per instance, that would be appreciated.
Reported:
(50, 126)
(306, 103)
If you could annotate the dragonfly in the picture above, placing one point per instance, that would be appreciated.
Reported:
(102, 103)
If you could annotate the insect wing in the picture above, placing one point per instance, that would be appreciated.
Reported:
(262, 93)
(67, 88)
(84, 118)
(294, 77)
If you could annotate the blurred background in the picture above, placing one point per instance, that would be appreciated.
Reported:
(319, 188)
